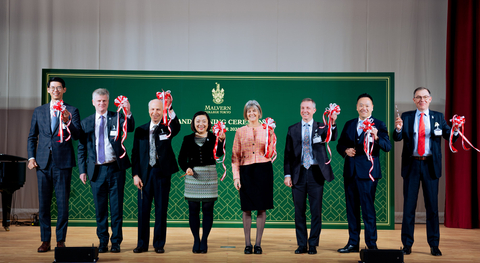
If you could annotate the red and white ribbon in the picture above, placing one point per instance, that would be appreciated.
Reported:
(119, 103)
(368, 144)
(269, 124)
(59, 107)
(329, 111)
(166, 119)
(218, 128)
(457, 123)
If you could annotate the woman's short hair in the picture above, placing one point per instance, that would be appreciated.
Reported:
(200, 113)
(248, 105)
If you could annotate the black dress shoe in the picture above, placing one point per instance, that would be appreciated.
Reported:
(348, 249)
(435, 251)
(115, 248)
(159, 250)
(257, 250)
(301, 250)
(102, 248)
(372, 247)
(312, 250)
(248, 250)
(407, 250)
(140, 250)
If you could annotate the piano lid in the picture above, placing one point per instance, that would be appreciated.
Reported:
(11, 158)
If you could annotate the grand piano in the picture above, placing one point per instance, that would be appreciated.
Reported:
(12, 177)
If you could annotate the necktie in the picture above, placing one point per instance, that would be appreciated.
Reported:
(421, 136)
(101, 141)
(307, 157)
(153, 152)
(54, 121)
(359, 128)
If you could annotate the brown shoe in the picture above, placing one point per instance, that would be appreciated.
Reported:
(61, 244)
(44, 247)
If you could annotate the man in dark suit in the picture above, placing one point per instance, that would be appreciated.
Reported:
(99, 156)
(53, 160)
(421, 131)
(153, 165)
(361, 184)
(306, 172)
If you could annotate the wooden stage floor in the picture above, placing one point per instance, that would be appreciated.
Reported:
(227, 244)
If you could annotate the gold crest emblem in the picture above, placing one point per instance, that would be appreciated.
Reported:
(218, 94)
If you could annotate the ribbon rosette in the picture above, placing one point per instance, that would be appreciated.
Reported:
(457, 123)
(367, 127)
(217, 129)
(269, 124)
(163, 96)
(119, 103)
(60, 108)
(329, 111)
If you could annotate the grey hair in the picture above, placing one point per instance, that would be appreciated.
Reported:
(313, 102)
(100, 92)
(248, 105)
(150, 102)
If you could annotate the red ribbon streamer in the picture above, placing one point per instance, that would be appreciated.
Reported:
(269, 124)
(367, 128)
(60, 108)
(217, 128)
(163, 96)
(457, 123)
(119, 103)
(329, 111)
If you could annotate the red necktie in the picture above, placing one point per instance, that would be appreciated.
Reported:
(421, 136)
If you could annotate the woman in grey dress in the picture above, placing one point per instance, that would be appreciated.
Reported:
(201, 180)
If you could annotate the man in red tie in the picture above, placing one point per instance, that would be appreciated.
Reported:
(421, 131)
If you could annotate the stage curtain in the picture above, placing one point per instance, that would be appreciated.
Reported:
(462, 98)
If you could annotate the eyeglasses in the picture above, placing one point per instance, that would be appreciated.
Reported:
(56, 88)
(422, 97)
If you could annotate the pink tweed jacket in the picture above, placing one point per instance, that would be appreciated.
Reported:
(249, 148)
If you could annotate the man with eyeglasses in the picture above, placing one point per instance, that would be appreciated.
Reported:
(53, 160)
(421, 131)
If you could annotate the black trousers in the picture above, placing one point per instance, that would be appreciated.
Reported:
(155, 187)
(310, 183)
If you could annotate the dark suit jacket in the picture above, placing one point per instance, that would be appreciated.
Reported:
(293, 150)
(192, 155)
(87, 152)
(407, 136)
(141, 149)
(40, 131)
(360, 163)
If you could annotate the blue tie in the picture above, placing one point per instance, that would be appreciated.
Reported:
(101, 141)
(54, 121)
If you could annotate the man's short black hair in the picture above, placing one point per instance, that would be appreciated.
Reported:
(421, 88)
(200, 113)
(365, 95)
(57, 79)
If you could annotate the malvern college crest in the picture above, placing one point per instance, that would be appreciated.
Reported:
(218, 94)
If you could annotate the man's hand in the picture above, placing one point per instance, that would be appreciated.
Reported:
(398, 123)
(288, 181)
(190, 171)
(374, 133)
(236, 183)
(334, 117)
(126, 107)
(137, 182)
(65, 116)
(32, 164)
(83, 178)
(350, 152)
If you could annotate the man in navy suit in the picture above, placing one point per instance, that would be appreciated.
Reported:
(153, 165)
(361, 184)
(100, 156)
(421, 131)
(53, 160)
(306, 171)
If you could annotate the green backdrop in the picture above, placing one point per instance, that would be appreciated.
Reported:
(279, 94)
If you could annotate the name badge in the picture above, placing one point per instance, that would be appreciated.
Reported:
(163, 137)
(317, 139)
(113, 133)
(438, 132)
